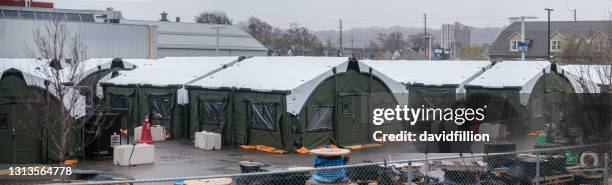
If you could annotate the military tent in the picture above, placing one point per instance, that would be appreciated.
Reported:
(156, 89)
(27, 100)
(289, 102)
(523, 95)
(431, 83)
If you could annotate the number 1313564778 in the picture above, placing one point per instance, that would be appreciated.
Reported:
(40, 170)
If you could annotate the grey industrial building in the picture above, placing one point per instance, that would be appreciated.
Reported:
(196, 39)
(108, 35)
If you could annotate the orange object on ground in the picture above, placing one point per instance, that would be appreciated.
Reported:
(248, 146)
(356, 147)
(71, 162)
(145, 135)
(533, 133)
(264, 148)
(302, 150)
(280, 151)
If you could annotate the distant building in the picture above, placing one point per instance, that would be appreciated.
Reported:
(28, 3)
(455, 37)
(196, 39)
(358, 53)
(108, 35)
(506, 46)
(103, 39)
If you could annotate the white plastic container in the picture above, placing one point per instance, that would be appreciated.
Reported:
(143, 154)
(125, 155)
(157, 133)
(208, 140)
(121, 154)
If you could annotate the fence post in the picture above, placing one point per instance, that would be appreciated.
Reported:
(606, 163)
(426, 169)
(537, 169)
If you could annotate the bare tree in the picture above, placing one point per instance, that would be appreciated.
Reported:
(419, 41)
(592, 80)
(62, 54)
(475, 52)
(214, 17)
(392, 42)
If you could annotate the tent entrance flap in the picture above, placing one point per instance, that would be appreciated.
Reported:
(352, 129)
(160, 111)
(21, 136)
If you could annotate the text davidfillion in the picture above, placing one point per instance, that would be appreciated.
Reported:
(403, 136)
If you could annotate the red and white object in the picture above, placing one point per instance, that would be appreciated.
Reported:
(145, 135)
(157, 132)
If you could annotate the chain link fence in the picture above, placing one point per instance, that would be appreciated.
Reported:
(587, 164)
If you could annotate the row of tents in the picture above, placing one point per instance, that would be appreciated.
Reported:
(281, 102)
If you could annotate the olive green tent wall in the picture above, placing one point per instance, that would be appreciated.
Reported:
(139, 105)
(551, 95)
(430, 96)
(290, 130)
(25, 108)
(236, 129)
(360, 93)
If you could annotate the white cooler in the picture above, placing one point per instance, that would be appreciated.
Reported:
(141, 154)
(157, 133)
(208, 140)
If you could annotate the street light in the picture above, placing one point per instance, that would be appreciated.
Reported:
(522, 44)
(548, 10)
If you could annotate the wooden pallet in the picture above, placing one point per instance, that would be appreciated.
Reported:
(588, 173)
(499, 172)
(554, 179)
(468, 166)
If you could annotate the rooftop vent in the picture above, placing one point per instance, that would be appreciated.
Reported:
(164, 16)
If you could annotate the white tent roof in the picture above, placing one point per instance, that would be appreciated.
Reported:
(299, 75)
(171, 71)
(34, 74)
(590, 76)
(431, 73)
(513, 74)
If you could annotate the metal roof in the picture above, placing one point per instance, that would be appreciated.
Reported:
(201, 36)
(537, 31)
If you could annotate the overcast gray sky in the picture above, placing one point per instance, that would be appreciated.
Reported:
(324, 14)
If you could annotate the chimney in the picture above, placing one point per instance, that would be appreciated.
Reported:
(178, 19)
(164, 16)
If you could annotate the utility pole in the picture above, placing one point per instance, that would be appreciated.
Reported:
(427, 37)
(341, 52)
(548, 10)
(575, 16)
(523, 45)
(217, 28)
